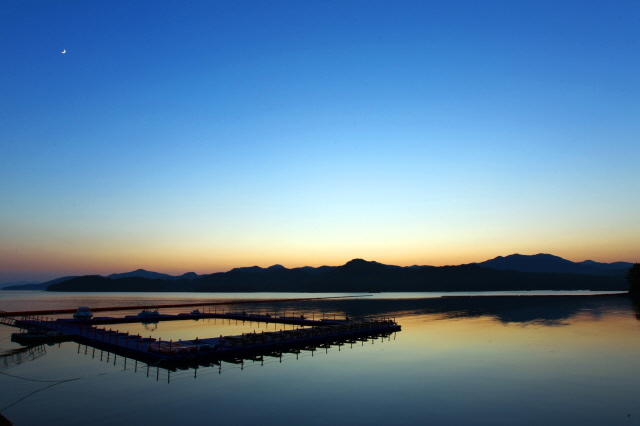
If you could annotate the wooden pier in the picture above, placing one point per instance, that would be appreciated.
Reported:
(311, 332)
(163, 371)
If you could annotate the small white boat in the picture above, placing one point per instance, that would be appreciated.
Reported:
(83, 312)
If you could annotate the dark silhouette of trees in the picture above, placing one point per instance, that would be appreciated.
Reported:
(633, 277)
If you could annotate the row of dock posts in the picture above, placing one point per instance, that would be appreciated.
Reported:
(28, 322)
(292, 335)
(336, 329)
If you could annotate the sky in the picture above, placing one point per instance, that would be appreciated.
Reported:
(205, 135)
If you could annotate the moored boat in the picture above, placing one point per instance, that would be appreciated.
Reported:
(83, 312)
(149, 312)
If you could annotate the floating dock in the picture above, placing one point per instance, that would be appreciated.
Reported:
(311, 333)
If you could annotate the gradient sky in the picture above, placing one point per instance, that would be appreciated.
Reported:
(201, 136)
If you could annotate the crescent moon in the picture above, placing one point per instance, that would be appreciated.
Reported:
(64, 51)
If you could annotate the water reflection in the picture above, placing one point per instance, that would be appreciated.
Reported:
(203, 353)
(18, 356)
(150, 326)
(481, 361)
(170, 371)
(636, 307)
(540, 310)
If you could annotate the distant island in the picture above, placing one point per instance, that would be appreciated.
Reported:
(510, 273)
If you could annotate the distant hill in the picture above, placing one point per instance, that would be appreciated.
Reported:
(615, 266)
(41, 286)
(141, 273)
(514, 272)
(17, 283)
(23, 287)
(317, 270)
(359, 275)
(257, 269)
(127, 284)
(550, 263)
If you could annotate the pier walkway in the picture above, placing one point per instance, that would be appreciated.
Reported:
(152, 351)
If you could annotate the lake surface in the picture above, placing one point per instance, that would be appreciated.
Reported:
(457, 361)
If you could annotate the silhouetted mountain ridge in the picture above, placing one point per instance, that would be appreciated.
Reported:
(138, 273)
(357, 275)
(607, 266)
(18, 283)
(141, 273)
(41, 286)
(99, 283)
(550, 263)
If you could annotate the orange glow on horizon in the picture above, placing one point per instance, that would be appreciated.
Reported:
(57, 264)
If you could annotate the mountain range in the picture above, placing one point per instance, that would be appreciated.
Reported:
(550, 263)
(138, 273)
(155, 275)
(18, 283)
(516, 271)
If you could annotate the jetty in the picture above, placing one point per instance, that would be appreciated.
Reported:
(206, 366)
(309, 333)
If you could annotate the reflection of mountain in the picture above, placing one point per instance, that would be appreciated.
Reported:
(542, 310)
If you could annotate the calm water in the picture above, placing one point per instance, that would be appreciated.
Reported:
(457, 361)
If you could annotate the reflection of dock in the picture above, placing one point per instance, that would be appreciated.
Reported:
(19, 356)
(310, 333)
(240, 360)
(291, 319)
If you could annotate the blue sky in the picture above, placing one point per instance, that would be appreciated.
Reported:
(178, 136)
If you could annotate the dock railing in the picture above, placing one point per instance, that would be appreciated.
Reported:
(170, 371)
(6, 319)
